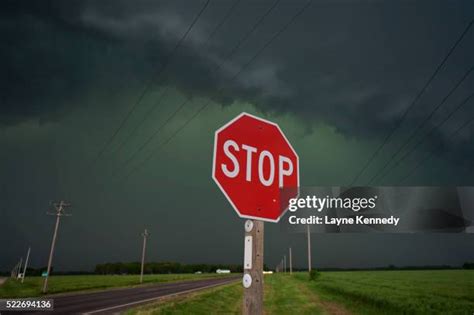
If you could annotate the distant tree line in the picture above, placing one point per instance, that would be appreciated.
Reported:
(468, 265)
(33, 272)
(161, 267)
(38, 271)
(174, 267)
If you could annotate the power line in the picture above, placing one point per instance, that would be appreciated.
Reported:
(251, 31)
(417, 145)
(408, 109)
(422, 124)
(224, 19)
(165, 90)
(432, 153)
(255, 56)
(242, 40)
(149, 83)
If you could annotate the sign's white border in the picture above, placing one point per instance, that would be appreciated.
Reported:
(214, 165)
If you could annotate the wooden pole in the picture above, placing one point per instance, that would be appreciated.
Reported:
(14, 271)
(51, 252)
(59, 213)
(26, 265)
(19, 268)
(291, 264)
(145, 235)
(253, 293)
(309, 248)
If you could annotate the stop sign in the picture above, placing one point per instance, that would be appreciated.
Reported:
(255, 167)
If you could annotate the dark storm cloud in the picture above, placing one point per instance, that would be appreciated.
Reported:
(349, 66)
(353, 65)
(51, 59)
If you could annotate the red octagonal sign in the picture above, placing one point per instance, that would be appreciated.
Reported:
(256, 167)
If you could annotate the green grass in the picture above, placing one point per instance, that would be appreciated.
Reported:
(395, 292)
(221, 300)
(283, 295)
(358, 292)
(59, 284)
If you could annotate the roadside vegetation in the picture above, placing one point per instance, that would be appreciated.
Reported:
(397, 292)
(283, 295)
(342, 292)
(220, 300)
(61, 284)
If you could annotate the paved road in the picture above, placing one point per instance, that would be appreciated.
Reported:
(119, 300)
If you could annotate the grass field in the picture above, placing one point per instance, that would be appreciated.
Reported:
(358, 292)
(221, 300)
(59, 284)
(395, 292)
(283, 295)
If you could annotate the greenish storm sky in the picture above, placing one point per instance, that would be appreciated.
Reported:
(335, 82)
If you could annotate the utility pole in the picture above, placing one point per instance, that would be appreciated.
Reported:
(284, 262)
(26, 265)
(18, 272)
(309, 248)
(291, 264)
(253, 268)
(145, 236)
(14, 270)
(17, 269)
(13, 273)
(59, 207)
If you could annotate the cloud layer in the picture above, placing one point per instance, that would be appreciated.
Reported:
(354, 66)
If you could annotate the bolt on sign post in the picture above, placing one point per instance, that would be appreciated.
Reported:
(257, 169)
